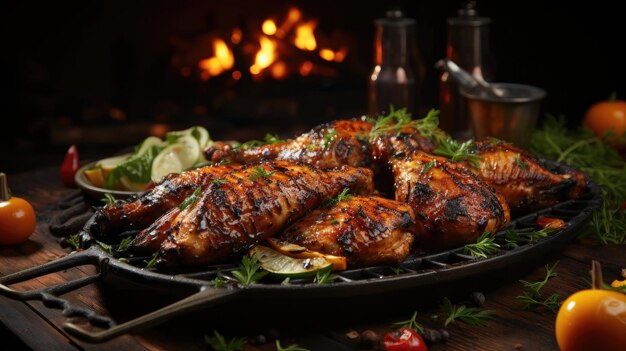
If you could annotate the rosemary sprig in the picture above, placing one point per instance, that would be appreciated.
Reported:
(469, 315)
(73, 241)
(292, 347)
(515, 238)
(429, 126)
(343, 195)
(116, 250)
(411, 324)
(456, 151)
(324, 276)
(218, 342)
(260, 172)
(108, 199)
(394, 122)
(191, 199)
(153, 259)
(531, 295)
(249, 271)
(483, 247)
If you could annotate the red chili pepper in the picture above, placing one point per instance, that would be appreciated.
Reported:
(404, 339)
(70, 166)
(548, 222)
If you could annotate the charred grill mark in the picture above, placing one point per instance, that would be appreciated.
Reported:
(422, 191)
(454, 208)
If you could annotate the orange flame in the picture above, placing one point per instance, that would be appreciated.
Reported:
(279, 70)
(293, 16)
(330, 55)
(265, 56)
(222, 61)
(235, 36)
(269, 27)
(305, 39)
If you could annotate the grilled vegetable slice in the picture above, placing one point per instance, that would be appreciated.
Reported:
(284, 266)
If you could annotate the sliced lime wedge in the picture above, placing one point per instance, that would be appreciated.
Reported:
(147, 144)
(285, 266)
(167, 161)
(191, 151)
(199, 133)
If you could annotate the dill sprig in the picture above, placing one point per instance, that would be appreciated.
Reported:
(593, 156)
(191, 199)
(397, 120)
(219, 343)
(469, 315)
(411, 324)
(260, 172)
(484, 246)
(249, 271)
(531, 295)
(457, 151)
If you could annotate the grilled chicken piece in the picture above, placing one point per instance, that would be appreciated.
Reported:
(142, 212)
(522, 178)
(399, 144)
(366, 230)
(452, 205)
(252, 204)
(334, 144)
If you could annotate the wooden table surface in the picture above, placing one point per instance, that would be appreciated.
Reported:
(39, 328)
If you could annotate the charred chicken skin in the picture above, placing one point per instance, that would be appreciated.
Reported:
(452, 205)
(405, 142)
(142, 212)
(367, 230)
(522, 179)
(251, 204)
(334, 144)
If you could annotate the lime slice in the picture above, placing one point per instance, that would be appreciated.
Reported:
(147, 144)
(340, 263)
(199, 133)
(167, 161)
(132, 186)
(191, 151)
(108, 164)
(285, 266)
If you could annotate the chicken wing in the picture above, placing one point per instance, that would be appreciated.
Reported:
(334, 144)
(522, 179)
(252, 204)
(452, 205)
(366, 230)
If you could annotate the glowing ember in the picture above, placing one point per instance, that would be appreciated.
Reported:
(269, 27)
(327, 54)
(279, 70)
(265, 56)
(293, 16)
(306, 68)
(305, 39)
(235, 36)
(222, 61)
(341, 54)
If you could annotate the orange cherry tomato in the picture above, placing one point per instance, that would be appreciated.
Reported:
(17, 221)
(606, 115)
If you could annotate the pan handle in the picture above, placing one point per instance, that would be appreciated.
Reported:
(206, 297)
(49, 294)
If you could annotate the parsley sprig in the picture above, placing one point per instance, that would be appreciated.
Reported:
(260, 172)
(484, 246)
(469, 315)
(249, 271)
(531, 295)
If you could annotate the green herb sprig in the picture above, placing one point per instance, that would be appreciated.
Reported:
(191, 199)
(219, 343)
(267, 140)
(343, 196)
(514, 238)
(469, 315)
(108, 199)
(325, 276)
(457, 152)
(73, 241)
(329, 138)
(411, 324)
(249, 271)
(119, 249)
(260, 172)
(292, 347)
(531, 295)
(484, 246)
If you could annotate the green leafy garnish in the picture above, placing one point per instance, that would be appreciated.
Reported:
(608, 224)
(292, 347)
(515, 238)
(136, 169)
(428, 166)
(343, 195)
(397, 270)
(260, 172)
(108, 199)
(153, 259)
(329, 138)
(411, 324)
(519, 162)
(456, 151)
(191, 199)
(325, 276)
(334, 222)
(311, 147)
(429, 126)
(74, 241)
(218, 342)
(273, 139)
(469, 315)
(118, 249)
(219, 181)
(218, 281)
(531, 295)
(394, 122)
(249, 271)
(269, 139)
(483, 247)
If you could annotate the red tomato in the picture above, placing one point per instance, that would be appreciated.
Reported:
(404, 339)
(70, 166)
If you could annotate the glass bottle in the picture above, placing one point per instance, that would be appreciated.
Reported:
(468, 46)
(395, 77)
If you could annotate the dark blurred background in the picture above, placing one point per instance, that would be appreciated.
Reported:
(104, 74)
